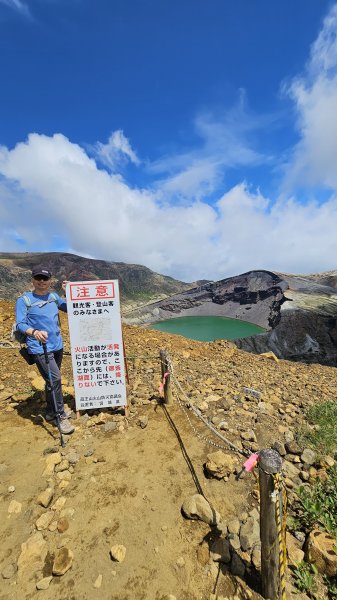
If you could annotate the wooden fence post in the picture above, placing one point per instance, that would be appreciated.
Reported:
(165, 377)
(270, 463)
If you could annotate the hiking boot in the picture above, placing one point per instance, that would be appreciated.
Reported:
(51, 417)
(66, 427)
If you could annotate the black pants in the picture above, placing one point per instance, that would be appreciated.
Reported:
(55, 361)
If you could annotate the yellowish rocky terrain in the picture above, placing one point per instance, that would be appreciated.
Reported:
(109, 523)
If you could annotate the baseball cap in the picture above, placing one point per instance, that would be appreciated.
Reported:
(41, 270)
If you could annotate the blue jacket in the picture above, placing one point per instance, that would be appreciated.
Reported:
(43, 315)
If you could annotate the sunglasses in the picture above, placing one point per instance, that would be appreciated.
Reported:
(41, 277)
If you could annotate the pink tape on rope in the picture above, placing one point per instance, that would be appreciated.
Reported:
(161, 387)
(251, 462)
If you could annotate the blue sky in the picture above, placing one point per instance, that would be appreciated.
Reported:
(196, 138)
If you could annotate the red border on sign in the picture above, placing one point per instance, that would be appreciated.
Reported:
(77, 285)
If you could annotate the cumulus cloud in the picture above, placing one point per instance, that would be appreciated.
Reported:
(315, 96)
(51, 190)
(116, 151)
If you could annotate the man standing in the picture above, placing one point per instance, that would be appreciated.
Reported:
(37, 317)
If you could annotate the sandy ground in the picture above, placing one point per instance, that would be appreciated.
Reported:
(131, 496)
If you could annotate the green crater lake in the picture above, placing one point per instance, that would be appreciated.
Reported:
(207, 329)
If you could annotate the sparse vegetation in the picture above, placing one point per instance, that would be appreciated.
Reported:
(322, 435)
(319, 503)
(331, 584)
(305, 578)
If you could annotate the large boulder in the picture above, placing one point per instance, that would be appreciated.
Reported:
(197, 507)
(220, 465)
(320, 549)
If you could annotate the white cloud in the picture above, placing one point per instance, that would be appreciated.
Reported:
(224, 142)
(17, 5)
(51, 188)
(117, 150)
(315, 96)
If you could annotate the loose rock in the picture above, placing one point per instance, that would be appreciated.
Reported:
(118, 552)
(63, 561)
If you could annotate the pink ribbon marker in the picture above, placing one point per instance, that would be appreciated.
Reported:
(251, 462)
(161, 387)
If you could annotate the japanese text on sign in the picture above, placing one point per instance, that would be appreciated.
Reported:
(96, 344)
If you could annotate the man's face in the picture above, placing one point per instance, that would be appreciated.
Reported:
(41, 284)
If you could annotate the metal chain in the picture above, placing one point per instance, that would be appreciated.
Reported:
(198, 414)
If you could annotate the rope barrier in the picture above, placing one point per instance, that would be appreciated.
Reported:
(198, 414)
(280, 508)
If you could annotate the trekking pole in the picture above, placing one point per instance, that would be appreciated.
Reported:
(58, 423)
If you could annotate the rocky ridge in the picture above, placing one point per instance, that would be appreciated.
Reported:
(138, 284)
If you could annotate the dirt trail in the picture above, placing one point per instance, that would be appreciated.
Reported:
(131, 496)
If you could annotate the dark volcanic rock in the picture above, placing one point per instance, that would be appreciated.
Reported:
(259, 292)
(301, 335)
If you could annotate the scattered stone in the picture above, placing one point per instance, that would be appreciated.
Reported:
(9, 571)
(50, 450)
(327, 462)
(280, 448)
(98, 581)
(270, 355)
(43, 584)
(45, 498)
(234, 541)
(64, 475)
(109, 426)
(249, 533)
(292, 447)
(220, 465)
(143, 422)
(14, 507)
(304, 476)
(89, 452)
(63, 484)
(180, 562)
(197, 507)
(233, 526)
(32, 557)
(308, 456)
(294, 551)
(63, 466)
(62, 525)
(11, 489)
(118, 552)
(44, 520)
(73, 458)
(59, 504)
(63, 561)
(249, 436)
(256, 556)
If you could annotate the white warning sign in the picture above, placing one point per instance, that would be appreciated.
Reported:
(96, 344)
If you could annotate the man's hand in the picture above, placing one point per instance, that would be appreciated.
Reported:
(64, 285)
(41, 336)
